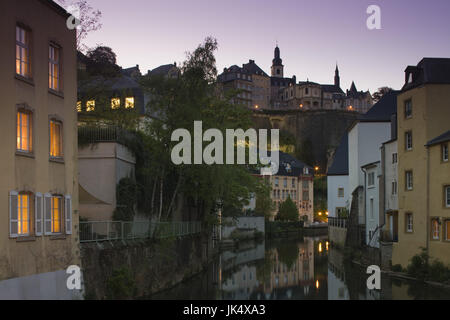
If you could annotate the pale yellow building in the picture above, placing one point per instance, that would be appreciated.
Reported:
(423, 171)
(295, 180)
(38, 189)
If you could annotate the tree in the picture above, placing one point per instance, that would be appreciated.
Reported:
(288, 211)
(264, 204)
(380, 93)
(89, 20)
(177, 103)
(102, 62)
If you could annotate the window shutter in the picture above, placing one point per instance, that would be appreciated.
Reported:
(47, 214)
(38, 210)
(13, 214)
(68, 214)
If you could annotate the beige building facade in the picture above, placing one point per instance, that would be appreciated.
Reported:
(38, 192)
(423, 171)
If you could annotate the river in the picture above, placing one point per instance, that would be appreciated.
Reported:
(297, 269)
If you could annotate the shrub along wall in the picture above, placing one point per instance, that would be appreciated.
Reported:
(126, 270)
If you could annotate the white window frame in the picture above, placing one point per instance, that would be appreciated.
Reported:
(447, 196)
(445, 152)
(54, 81)
(408, 139)
(38, 214)
(13, 233)
(409, 180)
(434, 230)
(409, 222)
(23, 46)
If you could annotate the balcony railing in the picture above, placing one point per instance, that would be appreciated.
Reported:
(90, 134)
(337, 222)
(97, 231)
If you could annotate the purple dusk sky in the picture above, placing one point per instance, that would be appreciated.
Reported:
(312, 35)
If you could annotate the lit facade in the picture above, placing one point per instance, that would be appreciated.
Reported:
(39, 151)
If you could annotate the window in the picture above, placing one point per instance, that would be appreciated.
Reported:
(129, 103)
(293, 183)
(23, 214)
(79, 106)
(435, 229)
(90, 105)
(277, 182)
(447, 196)
(305, 184)
(371, 179)
(408, 109)
(340, 192)
(285, 182)
(447, 230)
(394, 158)
(445, 152)
(305, 195)
(55, 139)
(54, 68)
(56, 211)
(371, 208)
(408, 140)
(115, 103)
(23, 66)
(394, 188)
(409, 222)
(409, 180)
(24, 133)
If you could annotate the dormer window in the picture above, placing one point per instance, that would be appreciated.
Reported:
(410, 78)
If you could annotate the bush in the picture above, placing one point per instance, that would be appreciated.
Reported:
(397, 268)
(121, 285)
(421, 268)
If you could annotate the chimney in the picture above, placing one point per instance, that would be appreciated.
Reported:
(251, 61)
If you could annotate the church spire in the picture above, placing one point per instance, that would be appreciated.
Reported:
(337, 78)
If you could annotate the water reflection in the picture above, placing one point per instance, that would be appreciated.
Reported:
(305, 269)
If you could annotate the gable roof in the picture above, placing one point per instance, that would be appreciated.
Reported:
(442, 138)
(162, 70)
(339, 167)
(253, 68)
(382, 110)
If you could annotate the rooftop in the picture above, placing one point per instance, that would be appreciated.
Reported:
(339, 167)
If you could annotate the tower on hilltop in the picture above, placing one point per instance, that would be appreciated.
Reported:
(277, 69)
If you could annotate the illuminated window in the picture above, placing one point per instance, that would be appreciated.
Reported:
(23, 214)
(129, 103)
(90, 105)
(56, 214)
(435, 229)
(54, 67)
(24, 141)
(23, 52)
(115, 103)
(447, 230)
(79, 106)
(55, 139)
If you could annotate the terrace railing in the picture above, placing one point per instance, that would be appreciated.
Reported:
(337, 222)
(98, 231)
